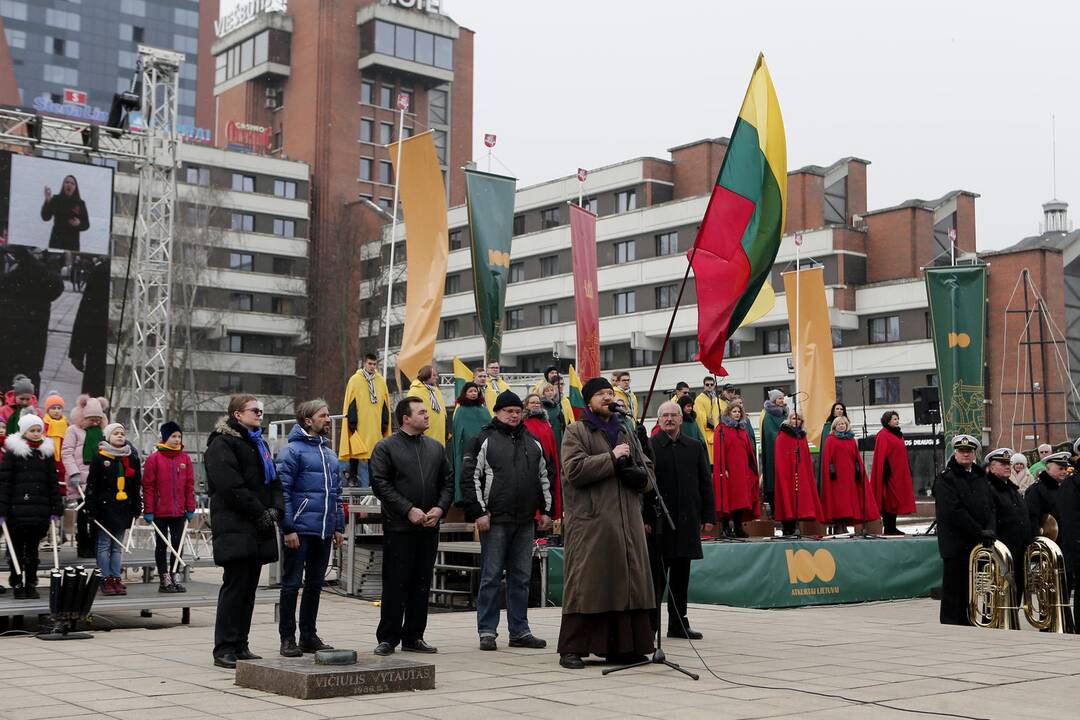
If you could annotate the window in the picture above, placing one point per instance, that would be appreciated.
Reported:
(60, 75)
(625, 251)
(188, 18)
(386, 174)
(450, 328)
(15, 38)
(425, 48)
(515, 319)
(438, 102)
(283, 266)
(230, 382)
(590, 204)
(282, 306)
(455, 240)
(386, 133)
(667, 243)
(241, 301)
(643, 358)
(384, 37)
(285, 228)
(243, 221)
(549, 314)
(665, 296)
(62, 47)
(198, 175)
(777, 340)
(932, 379)
(387, 203)
(397, 295)
(62, 20)
(732, 348)
(549, 217)
(12, 9)
(197, 216)
(837, 337)
(836, 203)
(272, 385)
(549, 265)
(684, 350)
(519, 225)
(517, 272)
(367, 129)
(247, 54)
(241, 261)
(186, 44)
(133, 7)
(839, 389)
(453, 284)
(885, 391)
(625, 200)
(234, 343)
(365, 168)
(285, 189)
(884, 329)
(406, 132)
(367, 92)
(625, 302)
(444, 52)
(439, 136)
(243, 183)
(386, 96)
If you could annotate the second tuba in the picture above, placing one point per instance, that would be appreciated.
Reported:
(1046, 595)
(992, 588)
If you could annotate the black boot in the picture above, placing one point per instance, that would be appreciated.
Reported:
(737, 523)
(889, 522)
(789, 526)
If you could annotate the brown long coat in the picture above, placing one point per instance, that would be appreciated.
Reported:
(607, 561)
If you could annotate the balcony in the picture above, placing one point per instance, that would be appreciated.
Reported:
(414, 42)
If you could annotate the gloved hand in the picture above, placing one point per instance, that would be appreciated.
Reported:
(266, 520)
(189, 515)
(633, 477)
(988, 538)
(274, 514)
(148, 517)
(74, 480)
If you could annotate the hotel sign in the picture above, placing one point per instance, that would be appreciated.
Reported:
(245, 11)
(431, 6)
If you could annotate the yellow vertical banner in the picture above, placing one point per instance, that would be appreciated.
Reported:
(427, 249)
(814, 356)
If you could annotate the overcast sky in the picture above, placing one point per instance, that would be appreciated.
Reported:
(938, 96)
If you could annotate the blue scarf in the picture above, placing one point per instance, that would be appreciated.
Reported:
(776, 410)
(611, 426)
(269, 474)
(845, 435)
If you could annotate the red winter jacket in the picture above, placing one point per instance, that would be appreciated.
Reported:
(168, 481)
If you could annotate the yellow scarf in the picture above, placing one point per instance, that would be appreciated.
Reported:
(121, 479)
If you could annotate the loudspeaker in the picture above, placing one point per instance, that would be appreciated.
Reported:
(927, 405)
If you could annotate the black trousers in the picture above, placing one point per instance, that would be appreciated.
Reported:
(305, 565)
(26, 539)
(172, 528)
(84, 533)
(408, 561)
(236, 602)
(678, 571)
(954, 591)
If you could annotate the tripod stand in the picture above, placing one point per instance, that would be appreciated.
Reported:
(663, 519)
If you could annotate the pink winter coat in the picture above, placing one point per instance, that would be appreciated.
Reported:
(168, 481)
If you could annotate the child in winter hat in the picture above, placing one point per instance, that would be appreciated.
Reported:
(56, 426)
(114, 500)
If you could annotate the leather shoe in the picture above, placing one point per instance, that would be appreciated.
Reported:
(384, 648)
(570, 661)
(528, 641)
(487, 642)
(246, 654)
(228, 660)
(289, 648)
(689, 634)
(419, 646)
(313, 644)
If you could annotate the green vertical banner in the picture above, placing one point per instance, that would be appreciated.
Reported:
(958, 322)
(490, 200)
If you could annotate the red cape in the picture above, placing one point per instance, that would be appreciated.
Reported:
(895, 494)
(809, 504)
(735, 477)
(541, 428)
(848, 494)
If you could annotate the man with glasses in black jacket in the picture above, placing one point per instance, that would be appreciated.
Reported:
(412, 478)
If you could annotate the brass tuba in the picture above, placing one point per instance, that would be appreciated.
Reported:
(992, 588)
(1046, 594)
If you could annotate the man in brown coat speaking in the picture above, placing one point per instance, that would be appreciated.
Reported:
(608, 594)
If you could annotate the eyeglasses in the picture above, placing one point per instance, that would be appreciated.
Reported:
(257, 411)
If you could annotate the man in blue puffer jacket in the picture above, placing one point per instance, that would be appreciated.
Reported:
(313, 519)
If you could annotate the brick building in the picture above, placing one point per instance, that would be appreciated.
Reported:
(319, 82)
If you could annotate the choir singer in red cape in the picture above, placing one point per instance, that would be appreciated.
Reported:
(846, 495)
(736, 483)
(891, 473)
(794, 500)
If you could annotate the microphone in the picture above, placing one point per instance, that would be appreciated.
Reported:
(618, 408)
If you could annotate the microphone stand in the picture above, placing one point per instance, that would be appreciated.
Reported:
(663, 517)
(798, 457)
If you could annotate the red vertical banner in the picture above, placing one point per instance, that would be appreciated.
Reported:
(586, 292)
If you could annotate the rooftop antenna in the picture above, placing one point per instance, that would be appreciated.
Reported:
(1053, 156)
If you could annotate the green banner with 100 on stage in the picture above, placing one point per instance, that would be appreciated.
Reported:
(490, 199)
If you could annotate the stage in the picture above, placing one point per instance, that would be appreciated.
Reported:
(775, 573)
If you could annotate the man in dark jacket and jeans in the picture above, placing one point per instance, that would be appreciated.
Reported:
(311, 485)
(504, 481)
(409, 472)
(245, 505)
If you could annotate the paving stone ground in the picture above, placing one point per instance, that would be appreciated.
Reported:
(840, 657)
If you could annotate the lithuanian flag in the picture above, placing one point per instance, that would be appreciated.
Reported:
(577, 398)
(740, 233)
(462, 375)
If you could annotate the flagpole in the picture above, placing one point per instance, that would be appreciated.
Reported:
(798, 275)
(667, 335)
(402, 104)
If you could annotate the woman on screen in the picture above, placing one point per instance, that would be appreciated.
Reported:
(68, 213)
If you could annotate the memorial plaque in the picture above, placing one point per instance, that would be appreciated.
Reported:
(302, 678)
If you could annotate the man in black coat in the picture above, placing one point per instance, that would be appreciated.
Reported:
(28, 288)
(245, 504)
(685, 484)
(965, 518)
(414, 481)
(1010, 512)
(504, 483)
(1042, 496)
(1068, 505)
